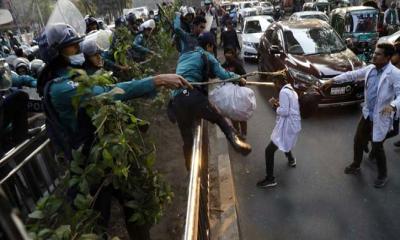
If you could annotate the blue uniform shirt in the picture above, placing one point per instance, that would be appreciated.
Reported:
(139, 45)
(23, 80)
(191, 67)
(187, 41)
(372, 89)
(64, 89)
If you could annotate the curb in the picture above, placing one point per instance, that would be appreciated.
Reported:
(223, 216)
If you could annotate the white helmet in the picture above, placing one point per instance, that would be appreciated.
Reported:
(148, 24)
(184, 10)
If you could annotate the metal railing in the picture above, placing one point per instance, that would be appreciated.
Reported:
(197, 215)
(29, 172)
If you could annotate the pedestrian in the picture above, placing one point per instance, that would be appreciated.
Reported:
(391, 19)
(235, 65)
(381, 97)
(229, 37)
(286, 130)
(91, 24)
(193, 105)
(396, 62)
(58, 79)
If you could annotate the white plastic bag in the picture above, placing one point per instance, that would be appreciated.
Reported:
(235, 102)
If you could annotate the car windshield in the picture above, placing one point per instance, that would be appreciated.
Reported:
(315, 16)
(266, 4)
(253, 26)
(362, 21)
(247, 5)
(305, 41)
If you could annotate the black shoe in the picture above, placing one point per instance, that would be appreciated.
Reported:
(380, 182)
(292, 162)
(239, 145)
(397, 144)
(267, 183)
(352, 169)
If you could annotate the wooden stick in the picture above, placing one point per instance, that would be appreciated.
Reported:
(236, 79)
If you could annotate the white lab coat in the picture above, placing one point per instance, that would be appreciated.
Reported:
(388, 90)
(288, 121)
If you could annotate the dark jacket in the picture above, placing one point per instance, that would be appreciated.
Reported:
(230, 38)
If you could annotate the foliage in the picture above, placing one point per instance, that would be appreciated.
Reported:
(120, 158)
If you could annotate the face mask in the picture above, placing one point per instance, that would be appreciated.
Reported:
(77, 59)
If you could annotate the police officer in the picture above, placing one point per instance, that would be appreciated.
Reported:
(132, 23)
(190, 106)
(188, 40)
(21, 66)
(62, 88)
(140, 47)
(13, 104)
(91, 24)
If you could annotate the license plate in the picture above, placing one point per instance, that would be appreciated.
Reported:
(338, 91)
(363, 37)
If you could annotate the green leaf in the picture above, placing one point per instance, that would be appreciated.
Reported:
(81, 202)
(63, 232)
(132, 204)
(73, 181)
(136, 217)
(90, 236)
(75, 168)
(45, 233)
(84, 186)
(107, 157)
(37, 214)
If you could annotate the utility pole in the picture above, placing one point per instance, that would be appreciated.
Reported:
(35, 2)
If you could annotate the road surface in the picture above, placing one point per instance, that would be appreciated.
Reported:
(315, 200)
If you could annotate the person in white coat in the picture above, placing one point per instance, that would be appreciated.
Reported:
(381, 96)
(285, 133)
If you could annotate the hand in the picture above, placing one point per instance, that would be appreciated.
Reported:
(123, 68)
(242, 82)
(274, 102)
(387, 110)
(172, 81)
(327, 85)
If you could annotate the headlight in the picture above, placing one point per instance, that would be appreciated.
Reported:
(304, 77)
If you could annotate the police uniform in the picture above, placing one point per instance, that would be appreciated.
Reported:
(190, 106)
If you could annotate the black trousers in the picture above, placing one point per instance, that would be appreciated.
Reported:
(189, 109)
(269, 159)
(361, 139)
(15, 111)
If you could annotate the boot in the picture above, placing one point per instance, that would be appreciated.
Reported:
(239, 145)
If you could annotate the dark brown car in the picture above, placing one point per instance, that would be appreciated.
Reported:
(311, 52)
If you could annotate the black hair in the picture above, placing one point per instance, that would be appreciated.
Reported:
(199, 20)
(388, 49)
(19, 52)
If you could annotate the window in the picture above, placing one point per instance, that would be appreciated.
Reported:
(252, 27)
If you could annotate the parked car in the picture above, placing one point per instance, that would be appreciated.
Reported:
(267, 8)
(317, 5)
(246, 9)
(311, 52)
(309, 15)
(253, 29)
(395, 37)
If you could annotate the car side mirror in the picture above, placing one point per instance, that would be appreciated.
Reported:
(275, 49)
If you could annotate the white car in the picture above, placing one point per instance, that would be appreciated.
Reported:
(390, 38)
(309, 15)
(266, 8)
(246, 9)
(253, 29)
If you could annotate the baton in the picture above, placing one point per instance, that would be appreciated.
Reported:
(236, 79)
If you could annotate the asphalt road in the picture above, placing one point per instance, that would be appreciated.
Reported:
(315, 200)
